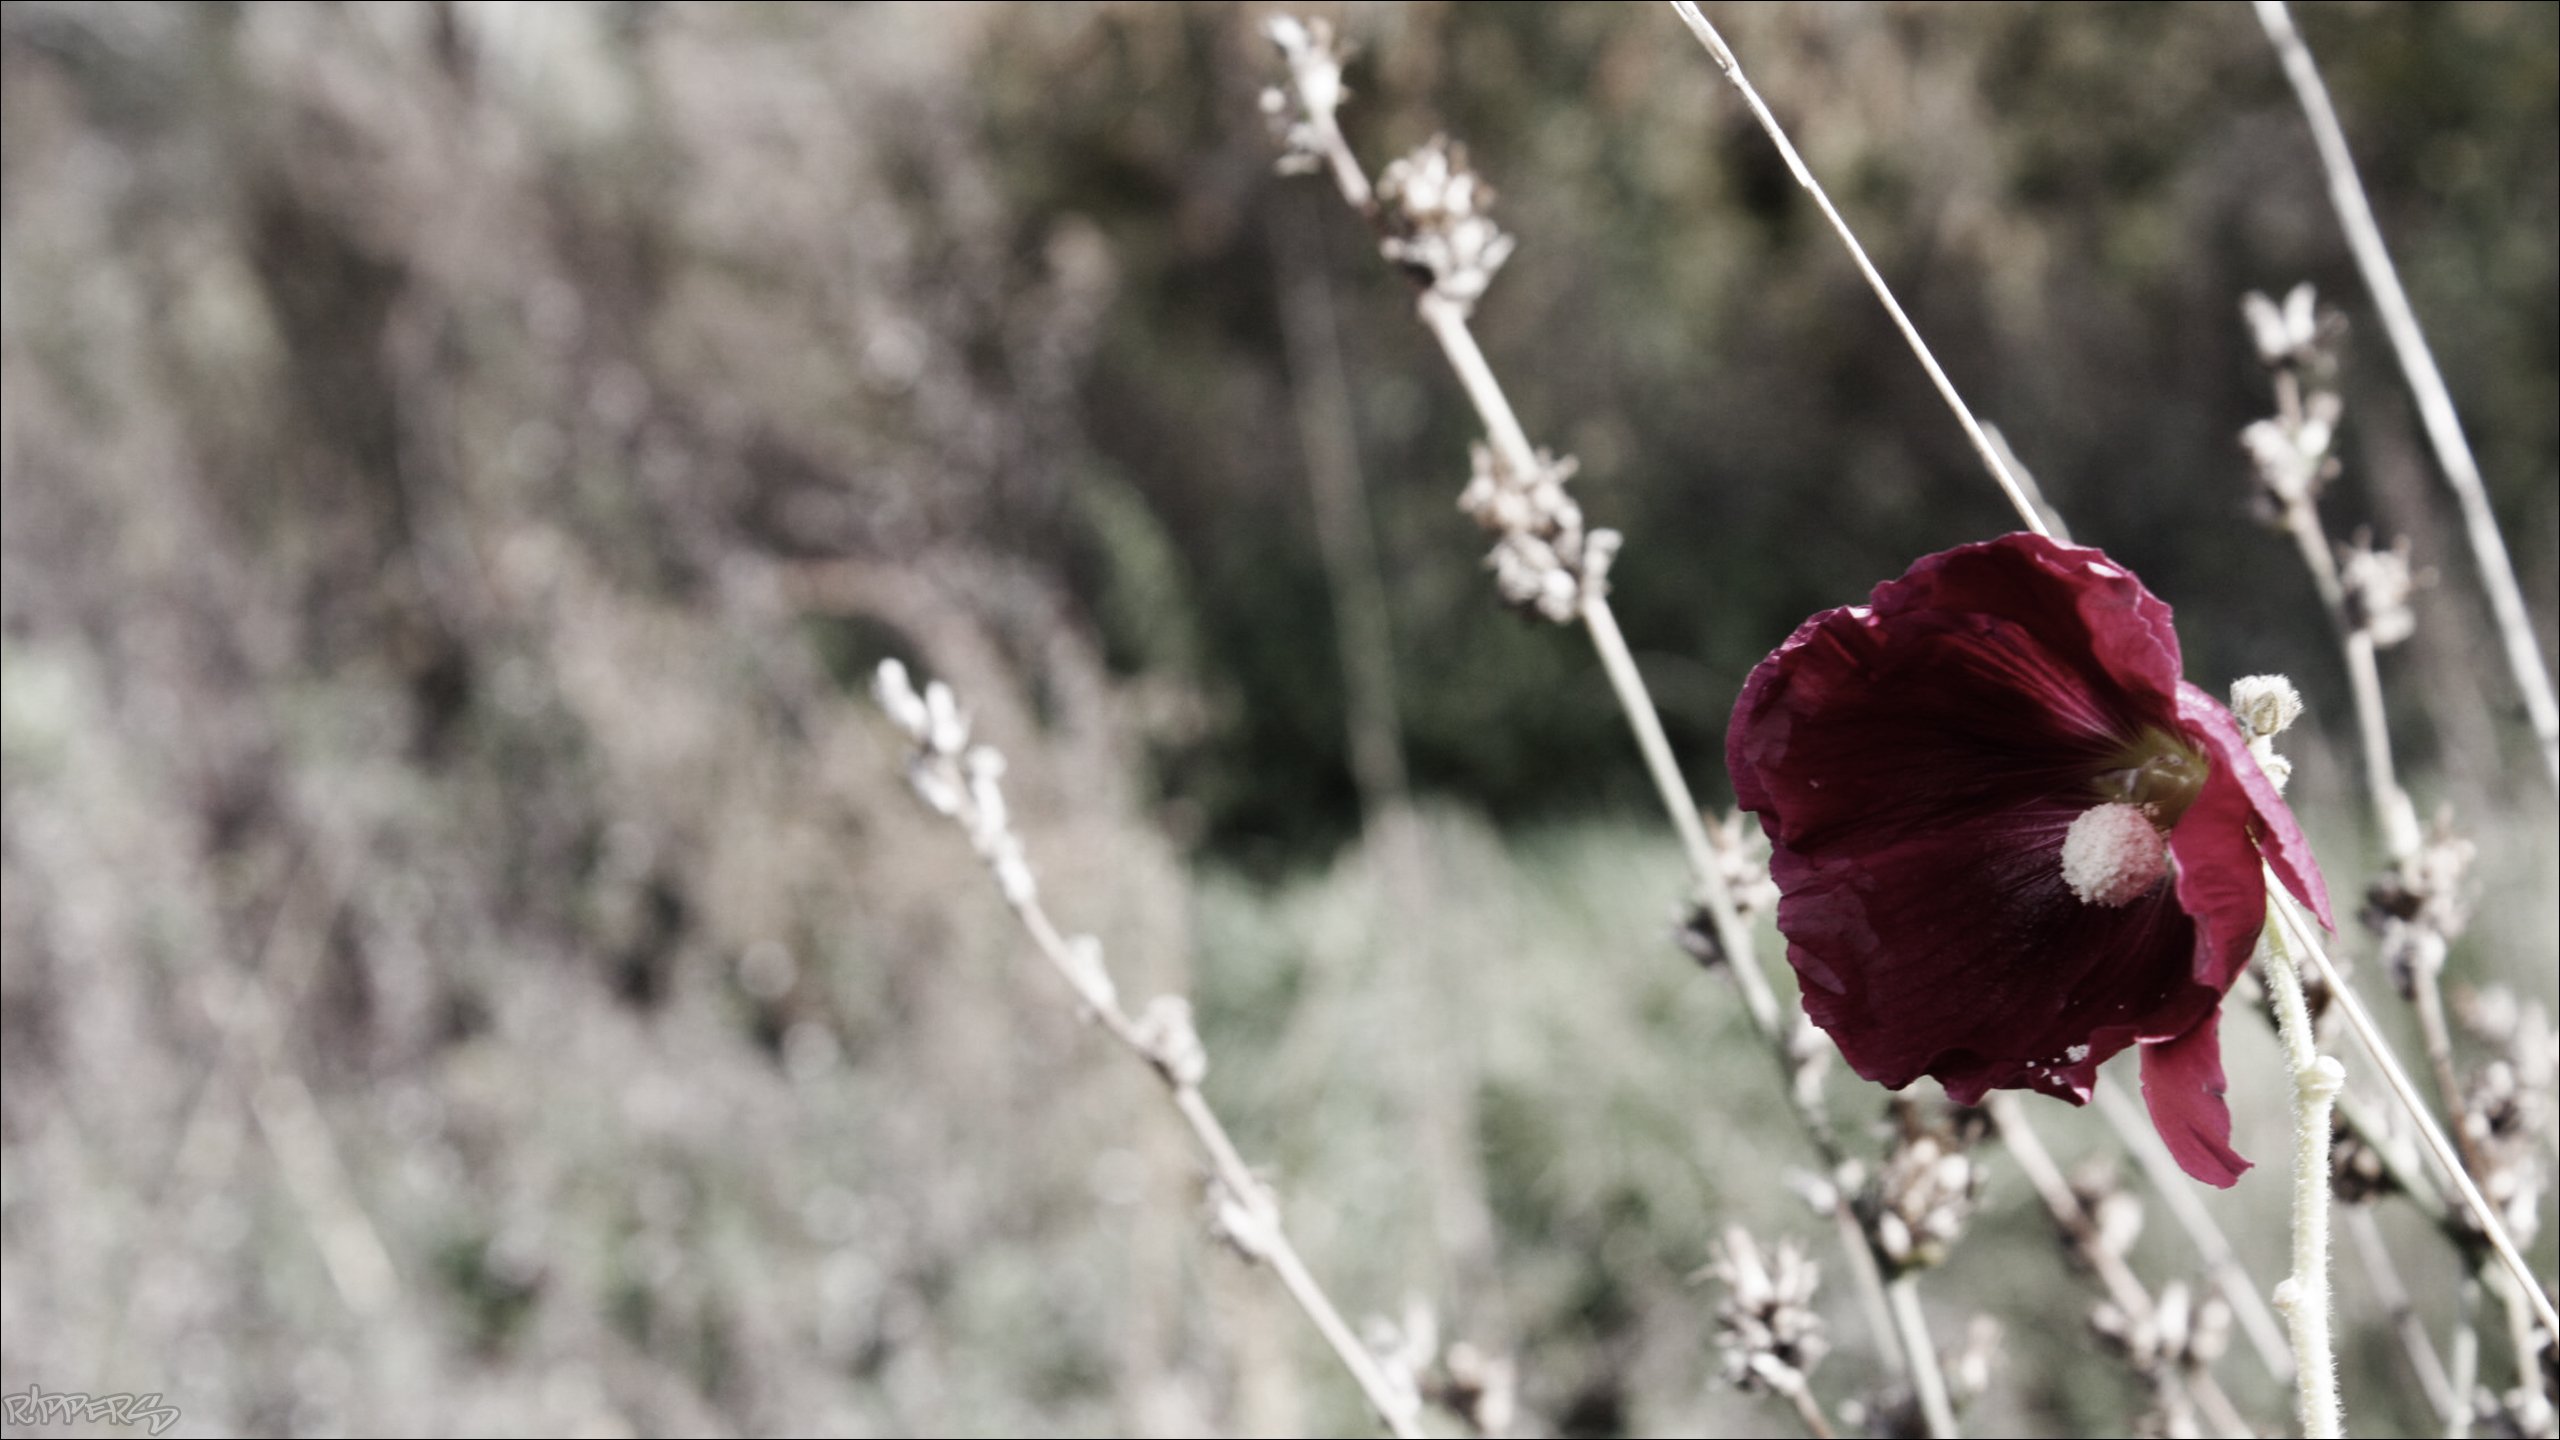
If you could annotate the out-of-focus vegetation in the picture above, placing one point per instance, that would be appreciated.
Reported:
(471, 962)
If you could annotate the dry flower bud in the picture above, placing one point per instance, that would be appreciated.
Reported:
(1171, 1041)
(2378, 585)
(935, 786)
(1543, 561)
(897, 695)
(947, 726)
(1766, 1326)
(1925, 1193)
(2357, 1173)
(2267, 704)
(1014, 877)
(2293, 462)
(1480, 1389)
(1315, 59)
(2297, 334)
(1405, 1352)
(2421, 905)
(1092, 978)
(1244, 1223)
(2505, 1120)
(1969, 1368)
(1434, 212)
(985, 766)
(2520, 1413)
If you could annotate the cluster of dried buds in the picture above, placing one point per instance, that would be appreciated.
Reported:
(2421, 905)
(2522, 1413)
(1478, 1388)
(1305, 124)
(1920, 1200)
(2378, 585)
(1742, 856)
(2298, 343)
(1543, 560)
(2358, 1173)
(965, 782)
(2293, 453)
(2508, 1108)
(1246, 1222)
(1434, 218)
(1766, 1327)
(2180, 1332)
(962, 781)
(2115, 1213)
(1435, 211)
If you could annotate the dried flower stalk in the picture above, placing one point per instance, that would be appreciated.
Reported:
(1430, 211)
(964, 783)
(2417, 361)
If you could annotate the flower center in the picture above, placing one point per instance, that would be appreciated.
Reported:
(2113, 855)
(2158, 772)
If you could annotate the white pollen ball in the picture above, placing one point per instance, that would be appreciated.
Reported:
(2112, 855)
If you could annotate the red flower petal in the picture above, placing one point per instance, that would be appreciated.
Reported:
(2182, 1083)
(1953, 948)
(2219, 882)
(1917, 763)
(2278, 835)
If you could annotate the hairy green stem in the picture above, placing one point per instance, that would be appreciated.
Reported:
(2304, 1297)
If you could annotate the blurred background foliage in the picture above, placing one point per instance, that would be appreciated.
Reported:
(471, 962)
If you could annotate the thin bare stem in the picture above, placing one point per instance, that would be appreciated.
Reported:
(2224, 1416)
(1860, 1252)
(1928, 1385)
(2134, 1129)
(2304, 1296)
(1731, 933)
(2391, 810)
(1791, 1383)
(2426, 997)
(1448, 324)
(2426, 382)
(1345, 539)
(2464, 1370)
(2410, 1177)
(2300, 933)
(1271, 1244)
(1982, 445)
(2520, 1330)
(2394, 1297)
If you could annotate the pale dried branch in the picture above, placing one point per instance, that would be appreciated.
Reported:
(964, 782)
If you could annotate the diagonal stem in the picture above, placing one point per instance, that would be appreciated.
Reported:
(2426, 382)
(1698, 25)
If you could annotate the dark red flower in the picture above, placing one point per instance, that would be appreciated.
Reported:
(2010, 840)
